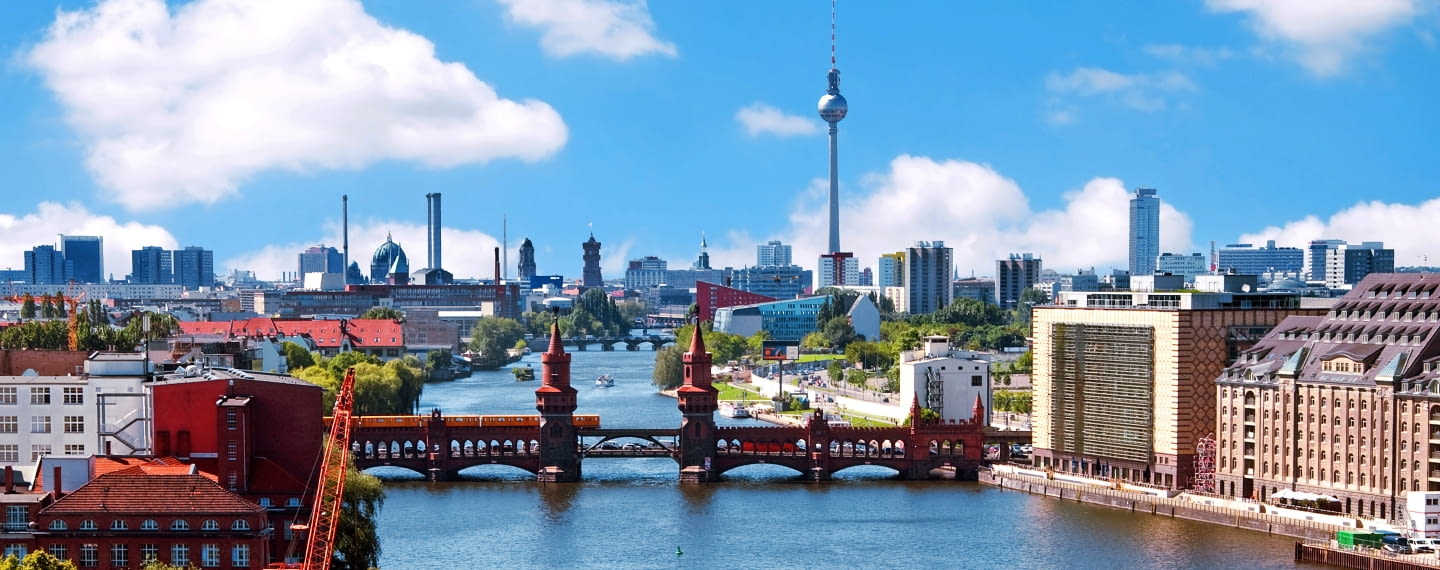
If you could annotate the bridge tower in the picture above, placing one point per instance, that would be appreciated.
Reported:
(555, 399)
(698, 400)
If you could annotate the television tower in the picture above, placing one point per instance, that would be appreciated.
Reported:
(832, 109)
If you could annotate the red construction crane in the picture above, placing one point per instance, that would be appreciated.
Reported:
(72, 301)
(325, 513)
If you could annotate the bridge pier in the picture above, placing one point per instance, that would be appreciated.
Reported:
(607, 347)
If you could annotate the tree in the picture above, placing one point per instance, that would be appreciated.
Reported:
(1028, 299)
(27, 307)
(1025, 364)
(856, 377)
(669, 372)
(492, 336)
(835, 371)
(815, 341)
(357, 544)
(595, 313)
(386, 313)
(37, 560)
(723, 347)
(296, 356)
(839, 331)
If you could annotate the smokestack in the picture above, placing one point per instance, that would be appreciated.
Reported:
(55, 487)
(497, 266)
(505, 246)
(434, 227)
(345, 231)
(9, 479)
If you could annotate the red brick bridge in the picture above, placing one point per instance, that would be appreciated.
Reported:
(553, 443)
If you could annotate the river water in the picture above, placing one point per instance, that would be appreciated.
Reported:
(632, 513)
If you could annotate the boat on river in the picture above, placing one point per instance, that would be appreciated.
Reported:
(734, 410)
(604, 381)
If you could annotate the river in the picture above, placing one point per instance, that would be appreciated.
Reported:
(632, 513)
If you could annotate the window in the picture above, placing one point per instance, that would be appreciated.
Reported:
(39, 396)
(119, 524)
(265, 502)
(74, 449)
(17, 517)
(88, 524)
(74, 424)
(7, 395)
(16, 550)
(39, 450)
(74, 395)
(9, 452)
(39, 424)
(89, 555)
(9, 424)
(240, 524)
(209, 555)
(149, 552)
(58, 551)
(975, 380)
(180, 555)
(293, 502)
(232, 450)
(58, 524)
(240, 555)
(119, 555)
(210, 524)
(180, 524)
(230, 422)
(149, 524)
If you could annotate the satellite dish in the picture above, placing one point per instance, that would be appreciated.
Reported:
(1245, 288)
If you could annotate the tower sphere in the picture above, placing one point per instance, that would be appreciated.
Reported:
(833, 107)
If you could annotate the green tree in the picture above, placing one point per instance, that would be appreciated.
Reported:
(595, 313)
(1025, 364)
(669, 371)
(1026, 305)
(37, 560)
(631, 310)
(756, 342)
(296, 356)
(386, 313)
(36, 335)
(27, 307)
(411, 374)
(856, 377)
(840, 332)
(815, 341)
(870, 354)
(835, 371)
(357, 544)
(492, 336)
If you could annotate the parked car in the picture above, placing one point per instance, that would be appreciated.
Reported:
(1424, 544)
(1396, 543)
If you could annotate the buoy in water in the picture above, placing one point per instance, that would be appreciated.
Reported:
(678, 552)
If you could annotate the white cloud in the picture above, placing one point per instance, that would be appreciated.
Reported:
(465, 253)
(760, 118)
(612, 28)
(1404, 228)
(975, 210)
(1140, 91)
(19, 234)
(185, 106)
(1322, 34)
(1189, 55)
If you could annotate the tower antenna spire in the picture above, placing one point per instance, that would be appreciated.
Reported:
(832, 34)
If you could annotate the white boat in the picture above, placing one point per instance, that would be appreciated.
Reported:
(734, 410)
(604, 381)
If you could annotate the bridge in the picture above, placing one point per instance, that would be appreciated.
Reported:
(656, 342)
(553, 444)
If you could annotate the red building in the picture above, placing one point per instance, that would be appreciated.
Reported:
(382, 338)
(121, 519)
(709, 296)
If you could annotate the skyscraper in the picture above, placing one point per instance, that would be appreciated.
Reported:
(1315, 257)
(321, 259)
(892, 270)
(527, 261)
(86, 255)
(194, 267)
(1013, 276)
(839, 269)
(151, 265)
(1144, 231)
(591, 276)
(927, 277)
(44, 265)
(1347, 264)
(772, 253)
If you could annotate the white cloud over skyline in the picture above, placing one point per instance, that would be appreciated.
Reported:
(1402, 227)
(1140, 91)
(616, 29)
(760, 118)
(1321, 34)
(44, 226)
(184, 107)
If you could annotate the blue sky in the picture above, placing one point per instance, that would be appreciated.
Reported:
(997, 127)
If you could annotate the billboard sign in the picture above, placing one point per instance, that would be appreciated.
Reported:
(780, 350)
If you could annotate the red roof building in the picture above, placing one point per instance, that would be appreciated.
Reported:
(709, 296)
(382, 338)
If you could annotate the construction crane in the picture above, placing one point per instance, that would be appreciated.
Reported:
(325, 514)
(72, 302)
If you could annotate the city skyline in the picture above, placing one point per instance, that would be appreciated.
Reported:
(1253, 121)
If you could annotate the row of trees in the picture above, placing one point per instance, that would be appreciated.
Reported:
(381, 388)
(594, 313)
(93, 331)
(669, 372)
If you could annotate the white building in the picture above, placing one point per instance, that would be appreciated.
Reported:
(1187, 266)
(1423, 511)
(75, 416)
(849, 271)
(944, 380)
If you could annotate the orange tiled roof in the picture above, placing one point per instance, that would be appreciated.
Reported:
(363, 333)
(129, 492)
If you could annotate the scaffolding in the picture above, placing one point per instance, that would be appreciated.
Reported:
(1205, 465)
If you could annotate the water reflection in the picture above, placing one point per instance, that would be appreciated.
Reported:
(556, 500)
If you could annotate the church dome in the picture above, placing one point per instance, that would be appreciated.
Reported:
(387, 257)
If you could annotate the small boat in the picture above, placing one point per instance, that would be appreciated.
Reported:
(604, 381)
(734, 410)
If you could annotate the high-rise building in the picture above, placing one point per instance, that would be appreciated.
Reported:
(1315, 257)
(927, 277)
(1187, 266)
(1347, 264)
(776, 281)
(45, 265)
(1339, 405)
(772, 253)
(891, 270)
(321, 259)
(194, 267)
(86, 255)
(645, 273)
(1013, 276)
(1245, 259)
(527, 261)
(839, 269)
(151, 265)
(1144, 231)
(591, 275)
(1124, 382)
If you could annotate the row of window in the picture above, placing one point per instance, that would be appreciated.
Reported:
(120, 554)
(10, 452)
(41, 424)
(71, 395)
(150, 524)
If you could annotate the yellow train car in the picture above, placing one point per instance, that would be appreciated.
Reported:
(587, 420)
(507, 420)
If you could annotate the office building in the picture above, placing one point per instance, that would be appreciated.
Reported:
(151, 265)
(776, 281)
(945, 381)
(976, 288)
(1245, 259)
(1315, 258)
(892, 270)
(321, 259)
(1124, 382)
(1347, 264)
(928, 266)
(45, 265)
(645, 273)
(1343, 404)
(1144, 231)
(709, 297)
(772, 253)
(194, 267)
(1013, 276)
(839, 269)
(795, 318)
(1186, 266)
(86, 255)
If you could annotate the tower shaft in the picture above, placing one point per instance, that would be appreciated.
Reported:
(834, 188)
